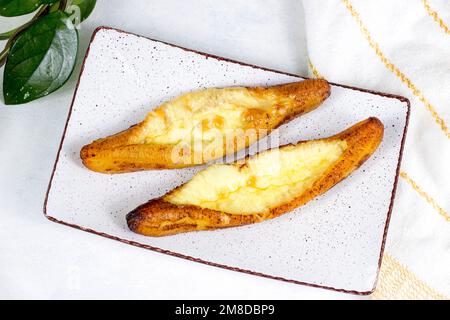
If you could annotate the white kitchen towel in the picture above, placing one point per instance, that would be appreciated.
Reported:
(400, 47)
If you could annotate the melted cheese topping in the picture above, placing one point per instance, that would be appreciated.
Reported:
(200, 115)
(265, 181)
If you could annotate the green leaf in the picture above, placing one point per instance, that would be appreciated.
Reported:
(85, 6)
(54, 7)
(41, 59)
(12, 8)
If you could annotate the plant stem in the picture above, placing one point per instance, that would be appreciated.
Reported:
(7, 35)
(14, 33)
(4, 53)
(62, 5)
(3, 56)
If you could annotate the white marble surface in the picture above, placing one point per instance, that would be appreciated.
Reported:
(40, 259)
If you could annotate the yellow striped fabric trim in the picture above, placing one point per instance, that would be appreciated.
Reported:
(391, 67)
(425, 195)
(436, 17)
(403, 174)
(314, 71)
(395, 281)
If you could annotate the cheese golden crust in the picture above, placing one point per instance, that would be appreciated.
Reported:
(201, 126)
(239, 197)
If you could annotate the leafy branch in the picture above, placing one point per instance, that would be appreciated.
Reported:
(11, 35)
(40, 55)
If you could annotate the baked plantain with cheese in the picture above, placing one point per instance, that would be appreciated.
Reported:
(263, 187)
(204, 125)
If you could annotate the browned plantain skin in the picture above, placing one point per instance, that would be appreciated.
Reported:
(126, 151)
(160, 218)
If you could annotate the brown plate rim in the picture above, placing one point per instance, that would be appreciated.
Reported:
(175, 254)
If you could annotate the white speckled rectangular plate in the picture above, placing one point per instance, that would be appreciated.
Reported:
(334, 242)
